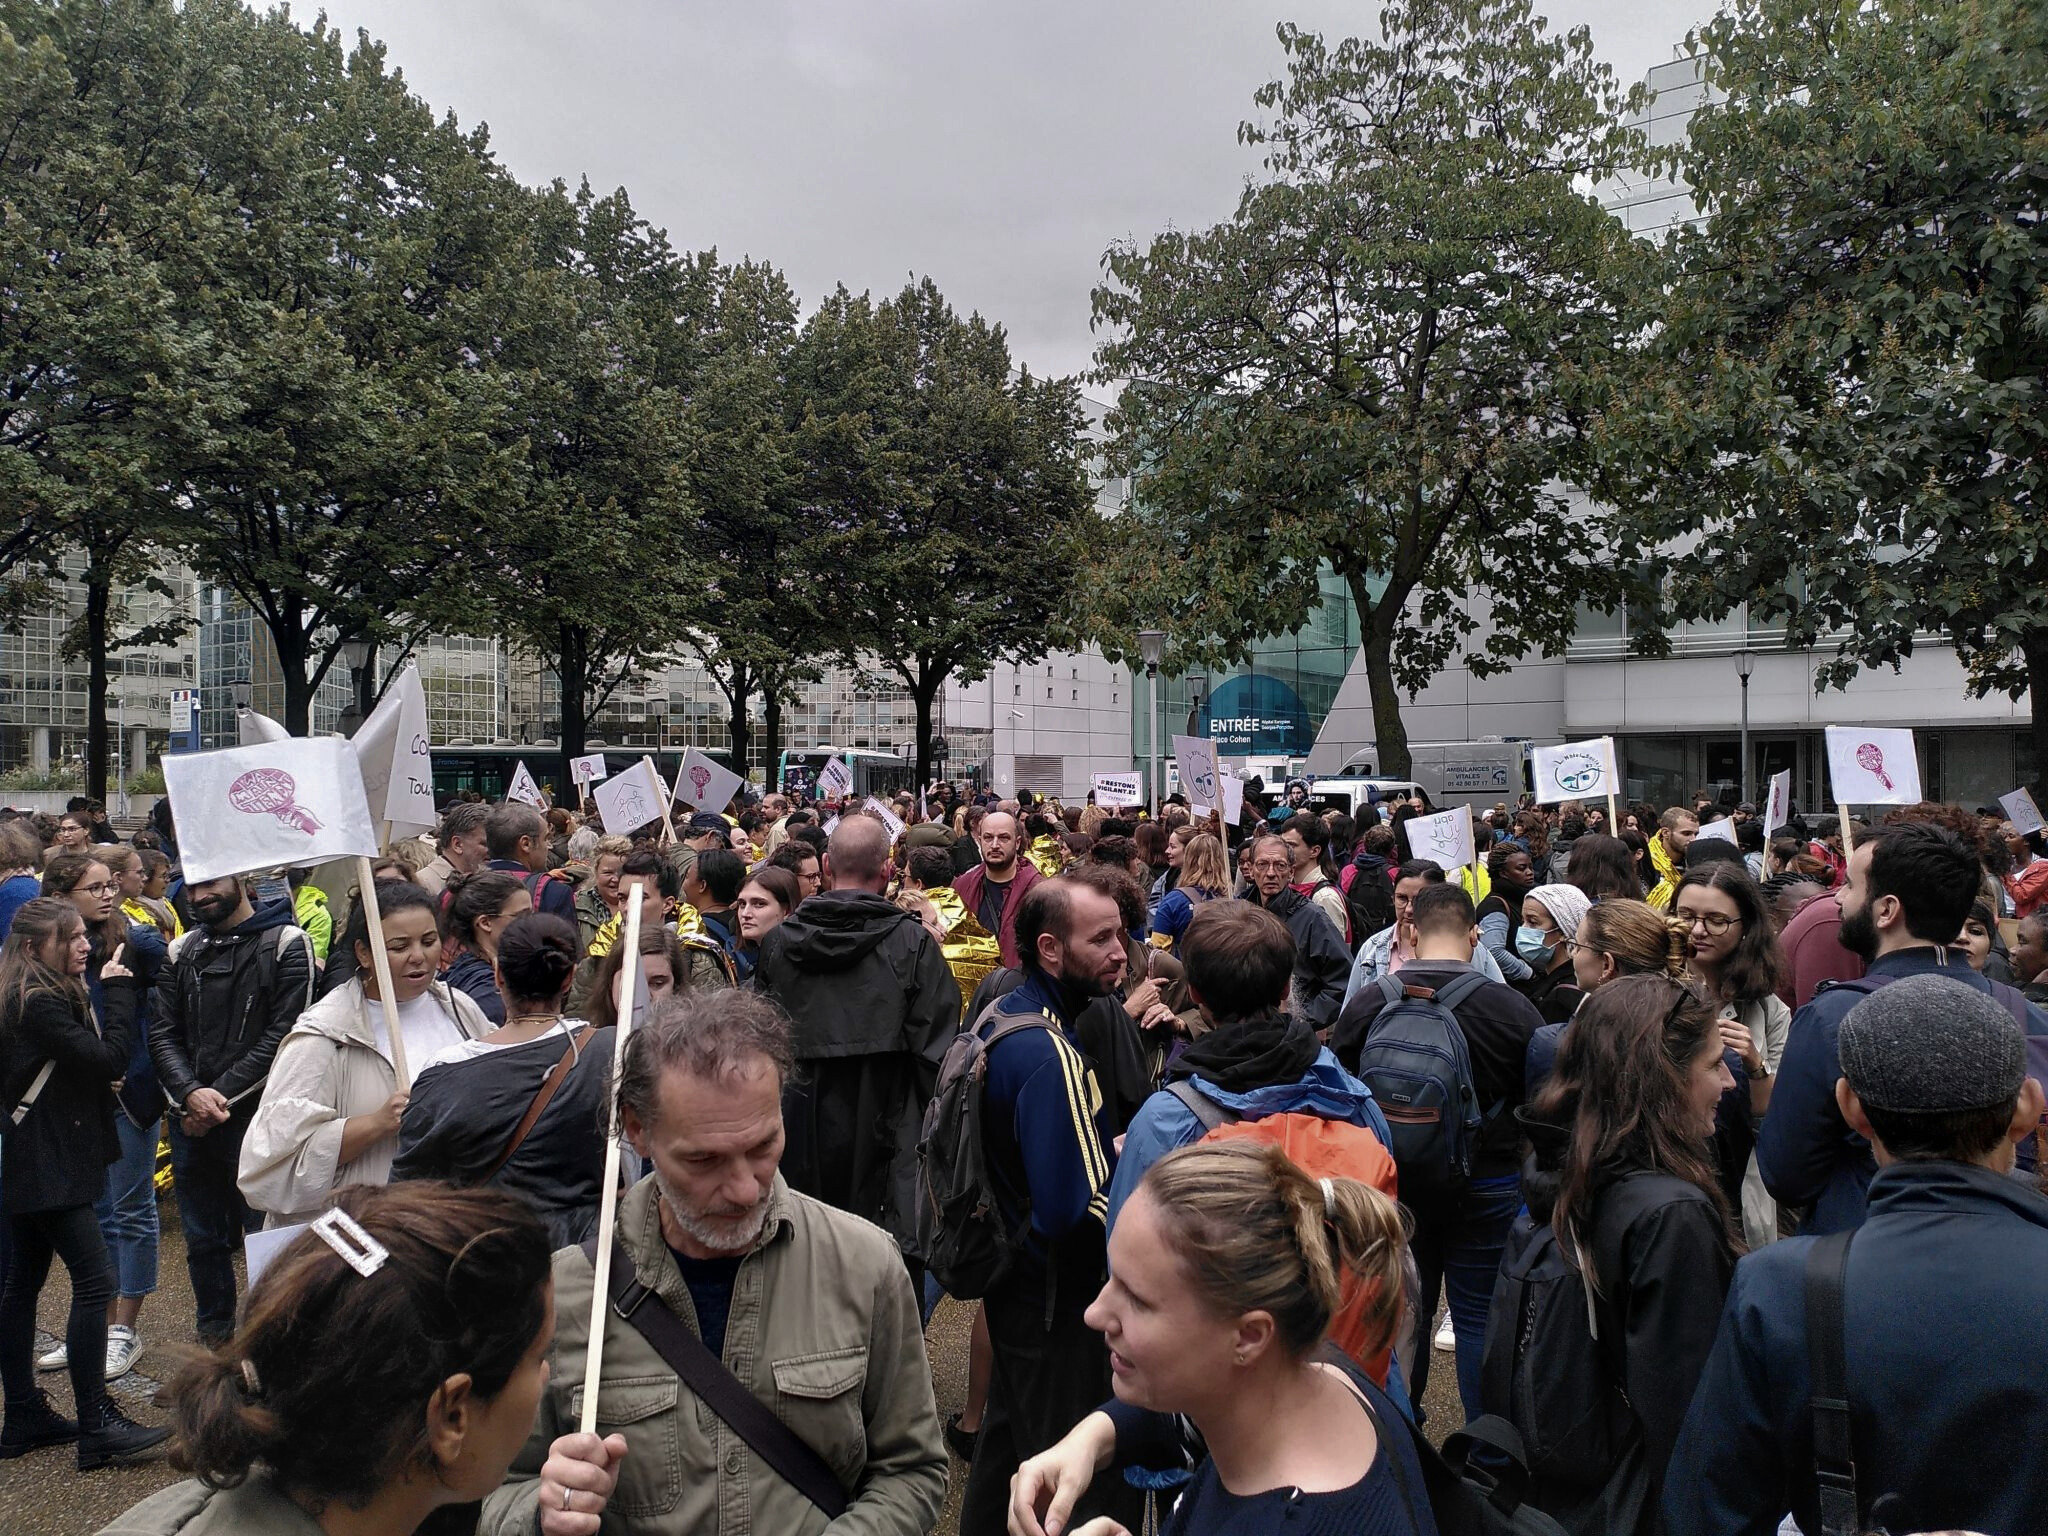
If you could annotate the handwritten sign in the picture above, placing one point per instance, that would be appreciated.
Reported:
(2021, 811)
(1119, 789)
(1445, 839)
(1870, 765)
(1196, 757)
(1576, 770)
(296, 801)
(629, 801)
(523, 787)
(1778, 803)
(885, 815)
(589, 769)
(834, 779)
(398, 764)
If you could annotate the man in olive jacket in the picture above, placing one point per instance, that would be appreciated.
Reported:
(808, 1307)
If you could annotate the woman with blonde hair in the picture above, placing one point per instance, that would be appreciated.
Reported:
(1226, 1267)
(1614, 939)
(1204, 876)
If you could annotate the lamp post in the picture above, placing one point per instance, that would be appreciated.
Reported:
(1745, 663)
(1151, 647)
(357, 655)
(245, 691)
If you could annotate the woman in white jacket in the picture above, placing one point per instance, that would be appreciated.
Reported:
(330, 1110)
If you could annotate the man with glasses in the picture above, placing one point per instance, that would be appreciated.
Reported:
(1321, 963)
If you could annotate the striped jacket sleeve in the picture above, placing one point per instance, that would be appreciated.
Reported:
(1065, 1162)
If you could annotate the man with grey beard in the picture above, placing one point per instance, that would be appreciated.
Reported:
(809, 1309)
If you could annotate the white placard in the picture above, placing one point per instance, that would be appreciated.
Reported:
(1233, 798)
(704, 782)
(1576, 770)
(397, 757)
(1717, 831)
(296, 801)
(628, 801)
(834, 779)
(522, 787)
(1119, 789)
(1778, 803)
(828, 826)
(261, 1248)
(885, 815)
(1199, 775)
(1872, 765)
(1445, 839)
(251, 728)
(2021, 811)
(589, 769)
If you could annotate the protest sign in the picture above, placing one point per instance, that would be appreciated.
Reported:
(1119, 789)
(522, 787)
(1778, 803)
(1717, 831)
(628, 801)
(1868, 765)
(608, 1201)
(705, 783)
(834, 779)
(251, 728)
(1575, 770)
(2021, 811)
(1233, 798)
(887, 817)
(589, 769)
(1199, 775)
(295, 801)
(396, 755)
(1445, 839)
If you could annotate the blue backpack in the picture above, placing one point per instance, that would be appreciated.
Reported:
(1415, 1062)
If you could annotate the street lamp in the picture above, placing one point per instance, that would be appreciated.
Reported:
(1745, 663)
(357, 655)
(1152, 647)
(245, 691)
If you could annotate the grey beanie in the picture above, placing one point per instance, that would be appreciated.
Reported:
(1929, 1044)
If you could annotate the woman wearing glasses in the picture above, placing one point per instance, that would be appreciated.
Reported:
(1736, 956)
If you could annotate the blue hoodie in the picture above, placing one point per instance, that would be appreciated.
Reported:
(1164, 1124)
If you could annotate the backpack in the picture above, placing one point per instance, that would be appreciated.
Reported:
(537, 882)
(1322, 1149)
(967, 1244)
(1369, 900)
(1415, 1062)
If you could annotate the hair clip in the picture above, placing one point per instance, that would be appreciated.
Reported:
(1329, 1200)
(250, 1384)
(345, 1235)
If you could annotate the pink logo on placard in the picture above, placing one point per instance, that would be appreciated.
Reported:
(272, 790)
(700, 776)
(1870, 758)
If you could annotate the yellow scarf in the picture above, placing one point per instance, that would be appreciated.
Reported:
(1667, 874)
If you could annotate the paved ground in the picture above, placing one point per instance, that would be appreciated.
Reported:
(45, 1495)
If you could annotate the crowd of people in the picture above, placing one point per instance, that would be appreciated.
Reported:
(1710, 1155)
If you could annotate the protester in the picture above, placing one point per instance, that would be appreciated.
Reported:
(1619, 1173)
(1980, 931)
(802, 861)
(664, 968)
(57, 1065)
(74, 834)
(995, 890)
(1173, 848)
(1512, 875)
(768, 897)
(478, 908)
(131, 871)
(375, 1400)
(601, 898)
(1307, 837)
(1048, 1149)
(21, 860)
(711, 885)
(1322, 964)
(236, 983)
(1676, 829)
(330, 1111)
(1910, 886)
(1460, 1231)
(1387, 951)
(810, 1309)
(1203, 875)
(2027, 882)
(1225, 1273)
(1550, 919)
(515, 836)
(1615, 939)
(522, 1107)
(310, 912)
(462, 845)
(1943, 1309)
(2030, 957)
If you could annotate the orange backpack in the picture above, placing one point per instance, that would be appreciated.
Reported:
(1322, 1149)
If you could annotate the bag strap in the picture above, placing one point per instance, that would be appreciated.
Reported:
(35, 1091)
(549, 1087)
(1460, 987)
(722, 1392)
(1834, 1451)
(1200, 1105)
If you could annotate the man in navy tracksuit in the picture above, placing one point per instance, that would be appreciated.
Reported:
(1944, 1319)
(1910, 888)
(1049, 1144)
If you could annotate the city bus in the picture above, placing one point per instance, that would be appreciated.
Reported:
(462, 769)
(874, 773)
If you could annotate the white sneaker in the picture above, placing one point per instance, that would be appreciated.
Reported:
(1446, 1336)
(55, 1360)
(124, 1348)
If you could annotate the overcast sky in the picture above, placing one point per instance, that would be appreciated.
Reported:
(996, 147)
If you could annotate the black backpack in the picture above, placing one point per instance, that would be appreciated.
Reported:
(967, 1244)
(1370, 901)
(1415, 1061)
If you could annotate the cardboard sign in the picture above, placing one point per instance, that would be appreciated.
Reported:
(1445, 839)
(1199, 774)
(1717, 831)
(296, 801)
(395, 750)
(522, 787)
(2021, 811)
(834, 779)
(1576, 770)
(885, 815)
(1869, 765)
(1119, 789)
(628, 801)
(589, 769)
(1233, 799)
(1778, 803)
(705, 783)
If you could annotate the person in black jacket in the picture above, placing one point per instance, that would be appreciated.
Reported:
(57, 1075)
(479, 906)
(1322, 965)
(873, 1006)
(234, 986)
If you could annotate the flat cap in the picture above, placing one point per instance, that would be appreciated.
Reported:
(1930, 1044)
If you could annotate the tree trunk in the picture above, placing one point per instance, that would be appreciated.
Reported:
(2034, 646)
(737, 732)
(923, 693)
(572, 666)
(1377, 621)
(771, 733)
(99, 602)
(289, 639)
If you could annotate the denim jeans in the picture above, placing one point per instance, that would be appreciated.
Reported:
(74, 1236)
(216, 1218)
(1459, 1251)
(127, 1211)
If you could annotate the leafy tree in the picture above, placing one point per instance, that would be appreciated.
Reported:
(587, 558)
(1384, 363)
(1848, 404)
(947, 496)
